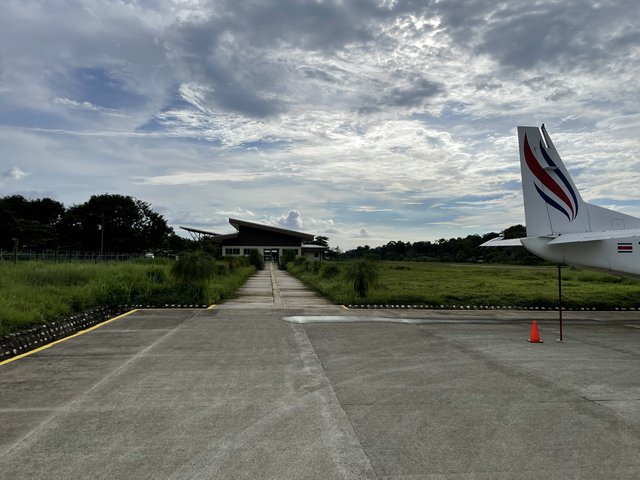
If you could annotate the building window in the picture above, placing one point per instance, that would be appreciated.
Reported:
(317, 254)
(294, 250)
(232, 251)
(247, 251)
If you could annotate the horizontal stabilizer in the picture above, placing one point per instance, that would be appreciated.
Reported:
(502, 242)
(594, 236)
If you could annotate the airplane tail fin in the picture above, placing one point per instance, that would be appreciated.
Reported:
(552, 203)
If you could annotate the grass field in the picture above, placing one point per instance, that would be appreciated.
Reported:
(474, 284)
(35, 292)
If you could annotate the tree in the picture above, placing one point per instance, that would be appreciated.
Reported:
(320, 240)
(33, 222)
(516, 231)
(129, 225)
(175, 243)
(362, 273)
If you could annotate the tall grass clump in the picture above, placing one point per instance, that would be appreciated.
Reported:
(194, 267)
(36, 292)
(362, 274)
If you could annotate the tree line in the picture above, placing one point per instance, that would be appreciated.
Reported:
(121, 223)
(458, 249)
(108, 222)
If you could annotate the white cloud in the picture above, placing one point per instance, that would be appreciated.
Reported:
(195, 178)
(13, 173)
(290, 220)
(81, 105)
(237, 212)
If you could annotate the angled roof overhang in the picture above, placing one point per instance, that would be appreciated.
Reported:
(197, 234)
(238, 223)
(312, 247)
(201, 232)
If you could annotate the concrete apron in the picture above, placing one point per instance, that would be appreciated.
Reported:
(236, 392)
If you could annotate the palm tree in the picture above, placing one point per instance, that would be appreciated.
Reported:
(363, 273)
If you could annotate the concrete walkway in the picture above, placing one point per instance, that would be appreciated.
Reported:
(275, 288)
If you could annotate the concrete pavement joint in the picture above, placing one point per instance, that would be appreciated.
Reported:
(347, 454)
(314, 367)
(275, 290)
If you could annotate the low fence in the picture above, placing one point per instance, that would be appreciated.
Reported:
(60, 256)
(36, 336)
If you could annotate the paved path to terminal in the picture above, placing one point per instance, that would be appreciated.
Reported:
(319, 392)
(275, 288)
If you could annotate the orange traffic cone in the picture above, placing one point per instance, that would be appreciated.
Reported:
(534, 337)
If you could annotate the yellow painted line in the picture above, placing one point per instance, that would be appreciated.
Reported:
(212, 306)
(44, 347)
(346, 308)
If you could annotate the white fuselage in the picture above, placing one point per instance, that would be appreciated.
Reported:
(619, 255)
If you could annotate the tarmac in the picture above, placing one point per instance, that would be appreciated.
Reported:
(280, 384)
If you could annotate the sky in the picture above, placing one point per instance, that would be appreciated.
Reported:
(364, 121)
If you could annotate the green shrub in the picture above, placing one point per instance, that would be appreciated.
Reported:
(330, 270)
(301, 263)
(362, 274)
(287, 257)
(235, 262)
(256, 259)
(222, 269)
(194, 267)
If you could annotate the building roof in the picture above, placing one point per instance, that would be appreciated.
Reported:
(238, 223)
(312, 246)
(197, 230)
(258, 226)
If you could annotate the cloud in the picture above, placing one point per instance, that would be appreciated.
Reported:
(13, 173)
(236, 213)
(196, 178)
(290, 220)
(369, 209)
(353, 114)
(419, 90)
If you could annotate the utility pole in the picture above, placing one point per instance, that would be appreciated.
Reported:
(101, 226)
(560, 300)
(15, 250)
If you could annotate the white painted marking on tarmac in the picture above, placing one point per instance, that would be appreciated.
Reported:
(406, 321)
(345, 319)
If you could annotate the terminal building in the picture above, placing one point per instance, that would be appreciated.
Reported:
(271, 242)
